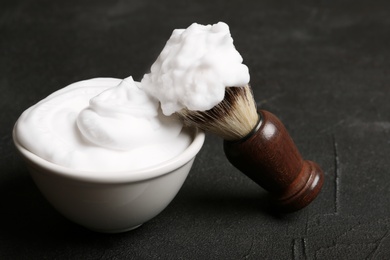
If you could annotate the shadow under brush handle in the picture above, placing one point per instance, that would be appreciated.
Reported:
(269, 157)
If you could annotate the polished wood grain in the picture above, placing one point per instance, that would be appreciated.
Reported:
(269, 157)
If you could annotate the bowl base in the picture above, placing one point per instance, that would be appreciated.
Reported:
(113, 231)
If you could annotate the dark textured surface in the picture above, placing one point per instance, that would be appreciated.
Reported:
(323, 67)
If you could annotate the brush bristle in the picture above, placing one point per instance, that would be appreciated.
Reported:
(232, 119)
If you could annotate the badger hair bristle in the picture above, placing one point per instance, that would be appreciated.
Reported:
(232, 119)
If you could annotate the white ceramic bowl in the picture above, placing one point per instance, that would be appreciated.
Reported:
(114, 202)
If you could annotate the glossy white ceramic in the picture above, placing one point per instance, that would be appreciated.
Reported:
(115, 202)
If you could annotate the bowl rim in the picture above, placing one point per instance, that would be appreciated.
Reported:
(161, 169)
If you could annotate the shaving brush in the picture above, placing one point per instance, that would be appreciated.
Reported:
(258, 144)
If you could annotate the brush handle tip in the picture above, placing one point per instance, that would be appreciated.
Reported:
(313, 178)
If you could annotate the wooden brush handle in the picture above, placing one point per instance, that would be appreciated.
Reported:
(269, 157)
